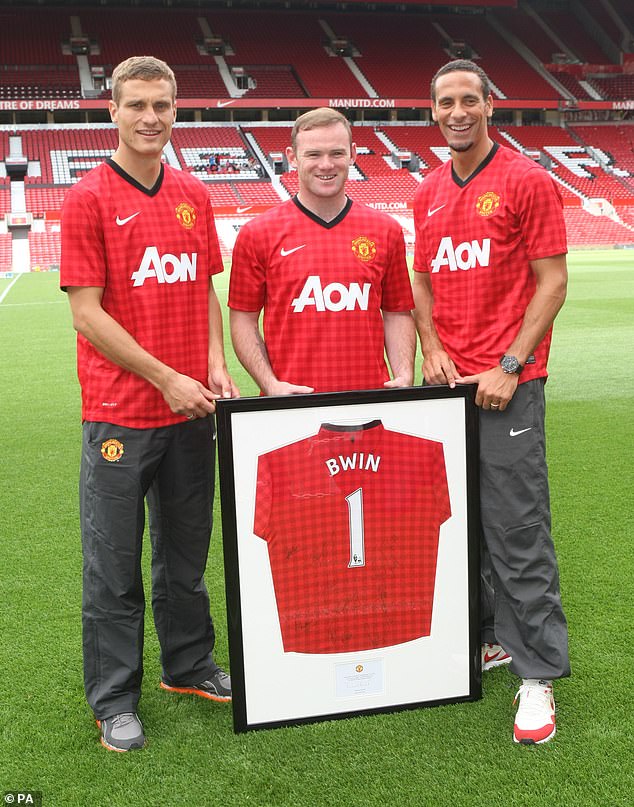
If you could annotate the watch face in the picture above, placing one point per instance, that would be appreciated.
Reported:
(510, 364)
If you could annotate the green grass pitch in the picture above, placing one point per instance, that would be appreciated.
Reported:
(454, 755)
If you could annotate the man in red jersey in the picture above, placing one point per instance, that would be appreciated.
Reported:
(490, 279)
(330, 275)
(139, 249)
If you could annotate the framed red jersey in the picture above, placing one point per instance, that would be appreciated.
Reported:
(350, 528)
(340, 510)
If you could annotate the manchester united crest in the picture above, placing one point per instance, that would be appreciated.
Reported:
(112, 450)
(364, 249)
(186, 215)
(488, 203)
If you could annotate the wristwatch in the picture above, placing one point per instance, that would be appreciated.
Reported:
(511, 365)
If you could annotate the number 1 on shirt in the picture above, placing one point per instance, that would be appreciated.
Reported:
(355, 520)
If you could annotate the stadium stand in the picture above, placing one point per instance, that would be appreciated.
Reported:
(45, 250)
(260, 38)
(584, 229)
(617, 142)
(397, 78)
(33, 64)
(256, 64)
(504, 66)
(169, 34)
(5, 200)
(571, 162)
(614, 87)
(5, 252)
(567, 26)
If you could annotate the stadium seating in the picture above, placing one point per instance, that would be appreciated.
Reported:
(45, 250)
(42, 201)
(292, 53)
(5, 252)
(408, 75)
(626, 214)
(570, 30)
(33, 64)
(5, 199)
(584, 229)
(260, 38)
(27, 38)
(570, 83)
(615, 141)
(169, 34)
(571, 162)
(504, 66)
(64, 155)
(614, 87)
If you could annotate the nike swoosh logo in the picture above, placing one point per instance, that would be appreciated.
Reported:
(285, 252)
(513, 433)
(435, 210)
(121, 222)
(243, 209)
(489, 657)
(223, 103)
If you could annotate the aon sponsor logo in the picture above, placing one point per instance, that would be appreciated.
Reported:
(333, 297)
(165, 268)
(467, 255)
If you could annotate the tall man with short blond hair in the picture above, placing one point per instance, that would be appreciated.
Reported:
(139, 249)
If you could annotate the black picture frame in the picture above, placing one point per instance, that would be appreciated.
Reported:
(438, 668)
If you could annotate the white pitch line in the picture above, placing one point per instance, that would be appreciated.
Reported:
(41, 302)
(8, 288)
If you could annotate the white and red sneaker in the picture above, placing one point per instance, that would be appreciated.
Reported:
(535, 718)
(494, 655)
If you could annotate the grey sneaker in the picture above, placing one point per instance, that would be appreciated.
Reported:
(216, 688)
(122, 732)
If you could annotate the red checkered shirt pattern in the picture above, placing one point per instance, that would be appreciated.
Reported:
(152, 252)
(476, 240)
(352, 516)
(322, 286)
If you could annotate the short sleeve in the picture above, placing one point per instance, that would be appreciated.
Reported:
(247, 284)
(397, 288)
(540, 211)
(83, 255)
(215, 258)
(263, 497)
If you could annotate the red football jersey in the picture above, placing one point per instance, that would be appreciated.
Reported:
(322, 286)
(152, 251)
(351, 516)
(476, 239)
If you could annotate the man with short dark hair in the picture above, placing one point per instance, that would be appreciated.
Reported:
(490, 279)
(139, 249)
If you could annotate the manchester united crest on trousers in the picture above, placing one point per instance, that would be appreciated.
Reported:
(488, 203)
(364, 249)
(112, 450)
(186, 215)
